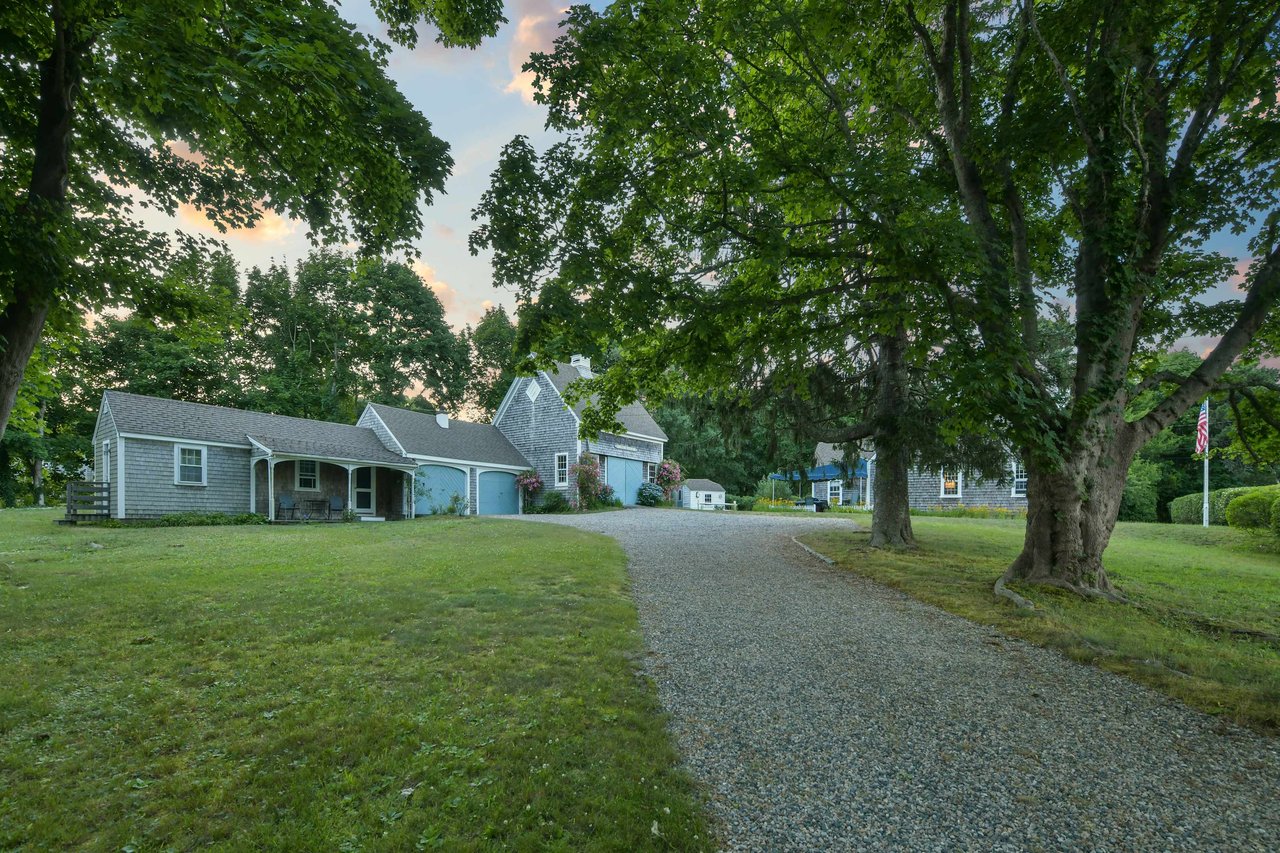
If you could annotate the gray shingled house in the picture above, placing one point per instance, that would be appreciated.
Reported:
(545, 429)
(165, 456)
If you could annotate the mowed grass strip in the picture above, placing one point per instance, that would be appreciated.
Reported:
(1202, 624)
(456, 684)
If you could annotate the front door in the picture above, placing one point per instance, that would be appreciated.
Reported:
(364, 491)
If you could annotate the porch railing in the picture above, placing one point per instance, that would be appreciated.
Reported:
(88, 501)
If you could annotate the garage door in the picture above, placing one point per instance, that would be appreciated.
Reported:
(434, 488)
(625, 475)
(498, 494)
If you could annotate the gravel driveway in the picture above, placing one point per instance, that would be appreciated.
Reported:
(822, 711)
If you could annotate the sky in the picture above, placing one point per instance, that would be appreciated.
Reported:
(476, 100)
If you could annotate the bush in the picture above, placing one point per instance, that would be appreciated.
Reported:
(972, 511)
(1275, 516)
(190, 519)
(1138, 503)
(551, 503)
(1187, 509)
(1252, 510)
(773, 489)
(744, 502)
(650, 494)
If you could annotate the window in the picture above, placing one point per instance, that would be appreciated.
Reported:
(706, 497)
(651, 472)
(1019, 478)
(562, 469)
(833, 494)
(189, 468)
(951, 483)
(105, 473)
(308, 475)
(604, 469)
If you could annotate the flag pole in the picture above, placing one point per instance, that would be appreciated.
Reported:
(1204, 417)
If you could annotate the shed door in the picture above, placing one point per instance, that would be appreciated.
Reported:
(626, 477)
(498, 493)
(434, 487)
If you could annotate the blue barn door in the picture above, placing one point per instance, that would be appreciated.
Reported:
(434, 487)
(625, 476)
(498, 493)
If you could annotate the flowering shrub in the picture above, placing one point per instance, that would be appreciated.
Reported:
(591, 489)
(669, 476)
(529, 483)
(650, 494)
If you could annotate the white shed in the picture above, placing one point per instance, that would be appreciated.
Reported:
(701, 494)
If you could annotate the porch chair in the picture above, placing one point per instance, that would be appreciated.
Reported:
(286, 504)
(336, 505)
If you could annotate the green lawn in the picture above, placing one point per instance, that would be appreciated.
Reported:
(1203, 623)
(446, 683)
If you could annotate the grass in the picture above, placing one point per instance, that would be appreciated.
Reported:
(1201, 625)
(457, 684)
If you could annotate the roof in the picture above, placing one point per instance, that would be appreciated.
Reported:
(633, 416)
(833, 471)
(419, 434)
(696, 485)
(197, 422)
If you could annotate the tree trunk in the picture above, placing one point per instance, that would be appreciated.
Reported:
(1071, 514)
(891, 509)
(36, 239)
(37, 462)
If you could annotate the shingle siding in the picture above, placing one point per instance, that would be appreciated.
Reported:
(539, 430)
(608, 444)
(104, 431)
(925, 492)
(370, 419)
(151, 492)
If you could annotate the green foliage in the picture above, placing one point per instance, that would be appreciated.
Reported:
(190, 519)
(769, 489)
(493, 361)
(1188, 509)
(1252, 510)
(746, 503)
(1275, 517)
(552, 502)
(445, 685)
(1140, 497)
(960, 510)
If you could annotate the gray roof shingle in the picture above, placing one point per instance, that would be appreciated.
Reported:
(464, 441)
(135, 413)
(633, 416)
(697, 485)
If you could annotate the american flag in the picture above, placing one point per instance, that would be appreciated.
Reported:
(1202, 428)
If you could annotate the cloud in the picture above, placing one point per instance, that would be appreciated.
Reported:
(537, 24)
(445, 292)
(270, 228)
(443, 230)
(1242, 270)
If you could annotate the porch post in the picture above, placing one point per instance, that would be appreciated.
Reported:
(271, 489)
(410, 510)
(253, 485)
(350, 488)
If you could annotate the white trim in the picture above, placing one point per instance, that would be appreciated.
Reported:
(297, 475)
(651, 478)
(839, 490)
(506, 399)
(119, 486)
(191, 442)
(106, 460)
(556, 471)
(942, 485)
(497, 466)
(1015, 464)
(177, 464)
(372, 490)
(651, 438)
(369, 409)
(266, 451)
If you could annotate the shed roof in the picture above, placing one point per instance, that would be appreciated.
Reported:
(697, 485)
(199, 422)
(633, 416)
(419, 433)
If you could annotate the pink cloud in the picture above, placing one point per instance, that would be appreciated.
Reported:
(443, 230)
(270, 228)
(445, 292)
(537, 24)
(1237, 279)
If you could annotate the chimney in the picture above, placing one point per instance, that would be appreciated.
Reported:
(442, 419)
(583, 365)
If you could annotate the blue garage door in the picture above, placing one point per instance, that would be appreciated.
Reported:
(625, 475)
(498, 494)
(434, 488)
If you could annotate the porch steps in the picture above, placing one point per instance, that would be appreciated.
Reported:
(372, 518)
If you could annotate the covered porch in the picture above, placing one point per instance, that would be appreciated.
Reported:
(288, 484)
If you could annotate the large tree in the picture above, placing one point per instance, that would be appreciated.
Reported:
(235, 107)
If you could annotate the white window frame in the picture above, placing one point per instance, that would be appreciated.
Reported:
(177, 465)
(1019, 473)
(604, 469)
(942, 485)
(651, 472)
(706, 497)
(106, 461)
(839, 490)
(560, 483)
(297, 476)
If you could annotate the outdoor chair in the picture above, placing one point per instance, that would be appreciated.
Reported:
(286, 505)
(336, 505)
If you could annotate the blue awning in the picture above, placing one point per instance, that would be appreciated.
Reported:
(833, 471)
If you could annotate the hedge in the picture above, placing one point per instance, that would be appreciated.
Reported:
(1187, 509)
(1252, 510)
